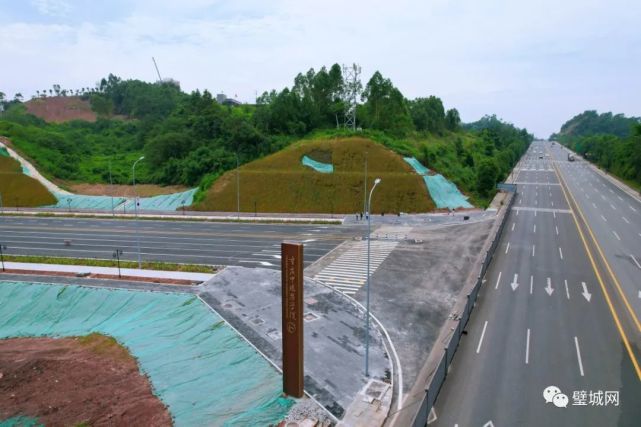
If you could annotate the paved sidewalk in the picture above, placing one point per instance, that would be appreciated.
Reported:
(112, 271)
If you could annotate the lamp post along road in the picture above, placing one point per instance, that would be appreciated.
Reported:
(369, 231)
(133, 173)
(237, 187)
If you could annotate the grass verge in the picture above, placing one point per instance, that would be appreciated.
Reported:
(92, 262)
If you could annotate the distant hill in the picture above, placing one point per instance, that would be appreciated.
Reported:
(60, 109)
(591, 122)
(280, 182)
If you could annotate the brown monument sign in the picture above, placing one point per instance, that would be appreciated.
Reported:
(292, 289)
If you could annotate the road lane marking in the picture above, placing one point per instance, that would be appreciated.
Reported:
(513, 225)
(616, 235)
(613, 207)
(567, 291)
(533, 249)
(603, 218)
(527, 347)
(587, 295)
(478, 348)
(549, 289)
(578, 355)
(635, 260)
(498, 280)
(560, 253)
(515, 282)
(613, 312)
(531, 284)
(625, 219)
(631, 207)
(534, 230)
(557, 230)
(507, 248)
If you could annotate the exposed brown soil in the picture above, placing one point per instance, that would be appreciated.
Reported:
(143, 190)
(68, 381)
(61, 109)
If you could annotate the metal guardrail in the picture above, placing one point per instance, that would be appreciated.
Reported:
(440, 373)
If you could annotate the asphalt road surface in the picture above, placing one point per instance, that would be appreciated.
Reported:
(549, 314)
(248, 245)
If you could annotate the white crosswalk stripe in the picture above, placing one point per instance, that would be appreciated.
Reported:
(348, 272)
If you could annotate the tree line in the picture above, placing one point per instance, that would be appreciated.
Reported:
(612, 141)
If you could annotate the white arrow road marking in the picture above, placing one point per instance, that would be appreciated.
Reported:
(488, 424)
(567, 291)
(578, 355)
(635, 260)
(586, 294)
(549, 288)
(515, 284)
(478, 348)
(498, 280)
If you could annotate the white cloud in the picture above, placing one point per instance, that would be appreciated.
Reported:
(56, 8)
(535, 63)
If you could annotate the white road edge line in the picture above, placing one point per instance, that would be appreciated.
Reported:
(478, 348)
(578, 356)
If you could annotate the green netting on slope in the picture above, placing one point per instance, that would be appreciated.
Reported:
(4, 152)
(79, 201)
(198, 366)
(444, 193)
(25, 170)
(21, 421)
(317, 166)
(167, 202)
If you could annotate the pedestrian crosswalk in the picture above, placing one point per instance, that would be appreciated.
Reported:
(347, 273)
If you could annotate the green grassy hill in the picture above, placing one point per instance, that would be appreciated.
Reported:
(17, 189)
(280, 183)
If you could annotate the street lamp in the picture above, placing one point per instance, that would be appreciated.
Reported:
(133, 173)
(369, 230)
(237, 186)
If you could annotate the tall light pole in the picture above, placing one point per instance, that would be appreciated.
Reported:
(369, 230)
(133, 173)
(365, 188)
(237, 186)
(111, 189)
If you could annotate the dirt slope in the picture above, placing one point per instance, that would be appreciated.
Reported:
(69, 381)
(61, 109)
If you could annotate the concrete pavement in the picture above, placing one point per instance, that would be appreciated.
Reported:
(543, 318)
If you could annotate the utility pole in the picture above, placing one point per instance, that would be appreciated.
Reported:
(117, 254)
(2, 247)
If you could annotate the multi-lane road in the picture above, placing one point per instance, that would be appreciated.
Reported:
(248, 245)
(550, 313)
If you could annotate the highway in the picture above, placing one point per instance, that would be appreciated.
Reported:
(548, 314)
(248, 245)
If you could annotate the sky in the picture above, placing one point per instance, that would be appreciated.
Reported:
(535, 64)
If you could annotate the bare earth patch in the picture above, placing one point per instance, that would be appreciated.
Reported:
(68, 381)
(143, 190)
(61, 109)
